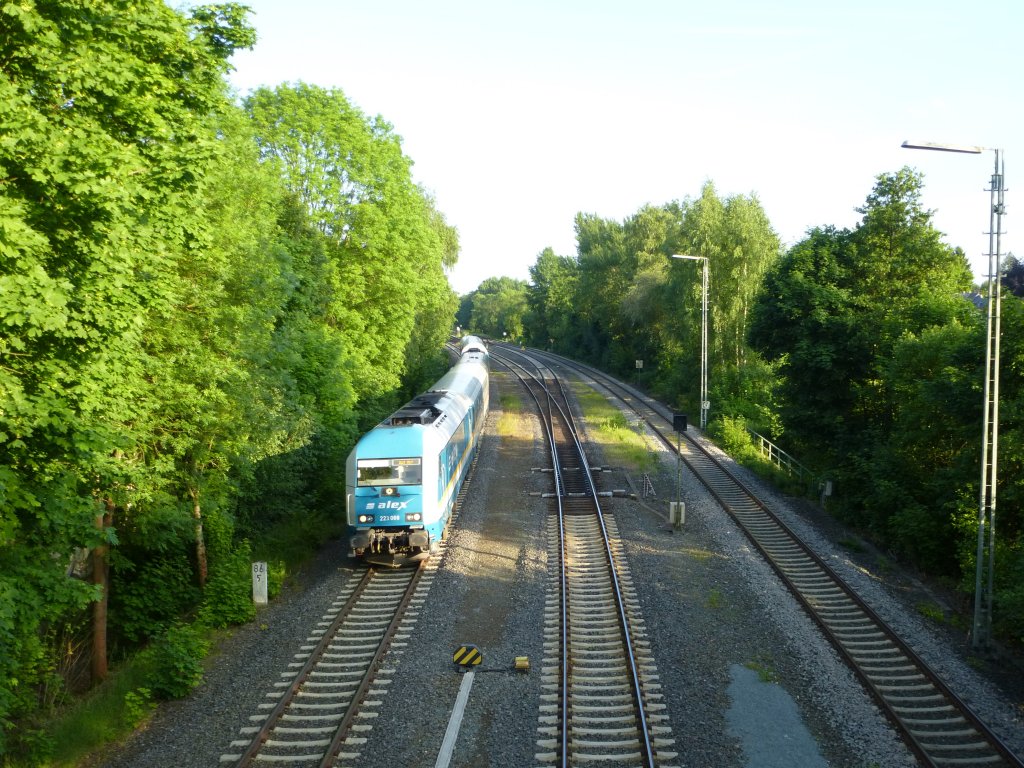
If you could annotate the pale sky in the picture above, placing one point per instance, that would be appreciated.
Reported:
(519, 115)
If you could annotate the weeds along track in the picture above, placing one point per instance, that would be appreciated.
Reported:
(601, 699)
(936, 724)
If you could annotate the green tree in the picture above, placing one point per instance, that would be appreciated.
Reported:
(223, 399)
(923, 494)
(808, 320)
(499, 307)
(833, 309)
(103, 109)
(1009, 578)
(903, 256)
(465, 311)
(737, 239)
(436, 304)
(923, 473)
(1013, 276)
(878, 351)
(605, 273)
(386, 243)
(623, 299)
(642, 311)
(549, 322)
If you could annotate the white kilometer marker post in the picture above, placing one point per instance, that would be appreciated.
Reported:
(259, 583)
(444, 757)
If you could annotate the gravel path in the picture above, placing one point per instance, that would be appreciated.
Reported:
(710, 604)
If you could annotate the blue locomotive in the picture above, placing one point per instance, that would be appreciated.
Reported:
(403, 476)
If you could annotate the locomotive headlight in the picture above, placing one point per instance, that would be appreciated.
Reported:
(365, 518)
(413, 517)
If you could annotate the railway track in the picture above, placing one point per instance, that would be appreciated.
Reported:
(321, 710)
(602, 699)
(935, 723)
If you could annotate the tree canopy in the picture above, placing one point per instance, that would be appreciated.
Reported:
(879, 348)
(833, 309)
(621, 298)
(496, 308)
(200, 304)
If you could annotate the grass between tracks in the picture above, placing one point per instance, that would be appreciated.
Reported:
(623, 443)
(511, 405)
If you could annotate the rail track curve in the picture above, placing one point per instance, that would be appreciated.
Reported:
(937, 725)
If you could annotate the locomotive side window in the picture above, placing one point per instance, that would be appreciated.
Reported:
(375, 472)
(449, 457)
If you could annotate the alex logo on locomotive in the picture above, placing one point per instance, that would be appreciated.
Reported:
(388, 505)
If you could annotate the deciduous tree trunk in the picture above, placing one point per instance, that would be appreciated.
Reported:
(200, 539)
(100, 574)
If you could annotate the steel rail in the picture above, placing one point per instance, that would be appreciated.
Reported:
(724, 485)
(360, 693)
(274, 717)
(619, 599)
(547, 420)
(567, 420)
(343, 618)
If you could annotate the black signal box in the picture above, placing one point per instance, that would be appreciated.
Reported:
(679, 422)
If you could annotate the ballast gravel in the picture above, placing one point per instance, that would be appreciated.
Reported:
(709, 602)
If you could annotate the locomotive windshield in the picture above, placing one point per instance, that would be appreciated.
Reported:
(389, 472)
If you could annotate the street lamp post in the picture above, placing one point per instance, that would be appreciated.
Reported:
(984, 577)
(705, 404)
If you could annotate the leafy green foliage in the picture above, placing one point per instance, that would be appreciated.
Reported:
(174, 663)
(377, 248)
(549, 322)
(224, 28)
(833, 310)
(623, 299)
(227, 598)
(138, 705)
(1013, 276)
(809, 321)
(497, 308)
(880, 357)
(382, 237)
(731, 432)
(1009, 597)
(102, 110)
(149, 591)
(184, 332)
